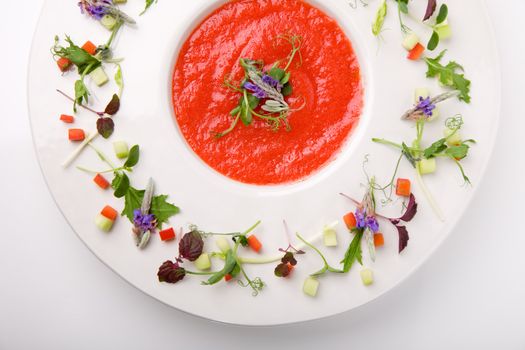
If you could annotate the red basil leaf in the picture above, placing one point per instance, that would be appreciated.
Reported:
(170, 272)
(411, 209)
(113, 105)
(403, 237)
(105, 127)
(190, 246)
(431, 8)
(288, 258)
(282, 270)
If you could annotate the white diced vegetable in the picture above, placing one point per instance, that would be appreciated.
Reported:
(330, 236)
(203, 262)
(223, 244)
(99, 76)
(367, 276)
(108, 21)
(427, 166)
(410, 41)
(453, 138)
(103, 223)
(421, 92)
(310, 286)
(121, 149)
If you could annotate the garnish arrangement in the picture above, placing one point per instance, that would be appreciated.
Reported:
(263, 93)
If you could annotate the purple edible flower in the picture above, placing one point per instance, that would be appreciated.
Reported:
(366, 221)
(256, 90)
(272, 82)
(95, 8)
(372, 224)
(360, 218)
(426, 106)
(144, 223)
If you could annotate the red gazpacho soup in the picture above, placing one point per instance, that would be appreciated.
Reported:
(326, 101)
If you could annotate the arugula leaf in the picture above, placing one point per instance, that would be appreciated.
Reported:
(380, 18)
(437, 147)
(449, 76)
(133, 200)
(85, 62)
(354, 251)
(133, 157)
(162, 209)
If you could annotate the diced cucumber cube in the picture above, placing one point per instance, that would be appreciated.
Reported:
(99, 76)
(410, 41)
(103, 223)
(453, 138)
(427, 166)
(421, 92)
(108, 21)
(121, 149)
(310, 286)
(367, 276)
(203, 262)
(223, 244)
(444, 30)
(329, 237)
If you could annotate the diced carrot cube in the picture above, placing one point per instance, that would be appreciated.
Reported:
(416, 52)
(379, 240)
(350, 220)
(67, 118)
(63, 64)
(101, 181)
(403, 187)
(89, 47)
(76, 135)
(254, 243)
(228, 277)
(109, 213)
(167, 234)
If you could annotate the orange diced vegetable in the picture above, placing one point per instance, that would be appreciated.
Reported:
(254, 243)
(403, 187)
(416, 52)
(379, 240)
(228, 277)
(67, 118)
(89, 47)
(350, 221)
(101, 181)
(167, 234)
(63, 64)
(76, 135)
(109, 213)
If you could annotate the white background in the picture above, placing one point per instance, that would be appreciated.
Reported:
(55, 294)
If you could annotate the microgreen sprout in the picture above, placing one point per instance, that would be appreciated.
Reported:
(326, 268)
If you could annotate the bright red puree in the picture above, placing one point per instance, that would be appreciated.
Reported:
(328, 80)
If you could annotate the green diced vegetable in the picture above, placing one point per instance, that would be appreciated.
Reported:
(121, 149)
(444, 31)
(310, 286)
(410, 41)
(427, 166)
(99, 76)
(108, 21)
(103, 223)
(329, 236)
(223, 244)
(203, 262)
(367, 276)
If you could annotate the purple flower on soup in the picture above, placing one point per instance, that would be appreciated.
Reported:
(372, 224)
(143, 222)
(360, 218)
(426, 106)
(256, 90)
(95, 8)
(272, 82)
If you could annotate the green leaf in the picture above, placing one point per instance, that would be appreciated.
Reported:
(286, 78)
(246, 114)
(84, 62)
(437, 147)
(118, 80)
(408, 154)
(148, 5)
(287, 89)
(162, 209)
(458, 152)
(133, 200)
(403, 7)
(277, 73)
(81, 93)
(443, 14)
(235, 111)
(253, 101)
(133, 157)
(433, 42)
(380, 18)
(354, 252)
(121, 187)
(449, 76)
(230, 264)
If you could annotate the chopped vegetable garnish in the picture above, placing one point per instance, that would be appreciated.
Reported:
(416, 53)
(63, 64)
(427, 166)
(379, 240)
(76, 134)
(367, 276)
(121, 149)
(223, 244)
(203, 262)
(101, 181)
(69, 119)
(350, 220)
(254, 243)
(167, 234)
(330, 235)
(228, 277)
(90, 48)
(109, 213)
(103, 223)
(311, 286)
(403, 187)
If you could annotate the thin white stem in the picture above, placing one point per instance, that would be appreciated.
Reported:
(79, 150)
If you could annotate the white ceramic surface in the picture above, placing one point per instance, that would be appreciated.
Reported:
(219, 204)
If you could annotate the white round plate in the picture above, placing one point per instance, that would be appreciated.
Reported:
(219, 204)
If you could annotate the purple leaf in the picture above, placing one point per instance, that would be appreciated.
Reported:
(431, 8)
(105, 127)
(282, 270)
(113, 105)
(411, 209)
(171, 272)
(403, 237)
(190, 246)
